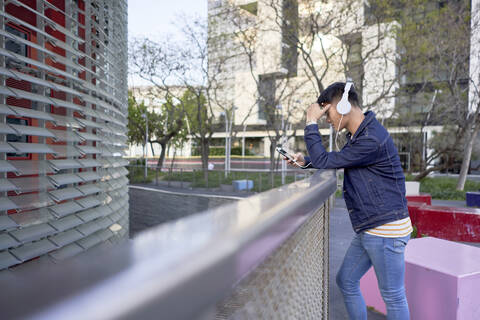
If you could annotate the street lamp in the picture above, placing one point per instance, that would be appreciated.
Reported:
(283, 142)
(226, 165)
(228, 139)
(144, 116)
(243, 140)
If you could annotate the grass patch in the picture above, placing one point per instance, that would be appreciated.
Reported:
(440, 188)
(262, 181)
(444, 187)
(137, 175)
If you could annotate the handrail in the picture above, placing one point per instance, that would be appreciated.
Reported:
(177, 270)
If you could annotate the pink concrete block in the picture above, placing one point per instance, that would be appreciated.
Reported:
(442, 280)
(371, 293)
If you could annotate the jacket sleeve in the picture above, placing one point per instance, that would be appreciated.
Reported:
(361, 152)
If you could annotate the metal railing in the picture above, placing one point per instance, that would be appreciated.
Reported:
(261, 257)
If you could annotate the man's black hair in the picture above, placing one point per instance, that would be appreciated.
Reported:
(335, 92)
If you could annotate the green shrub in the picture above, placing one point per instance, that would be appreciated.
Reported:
(414, 232)
(444, 188)
(138, 162)
(220, 151)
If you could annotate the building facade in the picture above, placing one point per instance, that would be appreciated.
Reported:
(282, 52)
(63, 106)
(269, 80)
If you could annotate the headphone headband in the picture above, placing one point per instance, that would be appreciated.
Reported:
(344, 106)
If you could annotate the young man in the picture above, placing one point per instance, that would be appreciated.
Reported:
(374, 192)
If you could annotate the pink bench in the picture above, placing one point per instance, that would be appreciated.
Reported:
(442, 281)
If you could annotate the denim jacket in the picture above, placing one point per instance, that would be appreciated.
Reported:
(374, 184)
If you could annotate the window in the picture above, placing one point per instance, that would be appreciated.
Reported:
(216, 3)
(20, 49)
(15, 138)
(13, 46)
(251, 7)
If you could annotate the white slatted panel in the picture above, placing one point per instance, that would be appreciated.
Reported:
(62, 116)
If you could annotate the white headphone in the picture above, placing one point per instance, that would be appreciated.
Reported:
(344, 106)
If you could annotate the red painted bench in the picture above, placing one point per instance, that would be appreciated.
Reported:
(413, 209)
(455, 224)
(422, 197)
(450, 223)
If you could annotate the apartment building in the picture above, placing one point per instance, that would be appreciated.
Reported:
(282, 52)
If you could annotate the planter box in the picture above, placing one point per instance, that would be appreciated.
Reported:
(422, 197)
(412, 188)
(239, 185)
(473, 199)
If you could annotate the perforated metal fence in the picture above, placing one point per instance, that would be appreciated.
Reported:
(292, 283)
(63, 106)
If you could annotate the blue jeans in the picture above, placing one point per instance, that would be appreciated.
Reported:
(387, 257)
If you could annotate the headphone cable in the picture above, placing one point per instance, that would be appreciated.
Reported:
(336, 136)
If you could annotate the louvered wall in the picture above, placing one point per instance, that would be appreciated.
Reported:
(63, 108)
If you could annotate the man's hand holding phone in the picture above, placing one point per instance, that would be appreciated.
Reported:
(296, 159)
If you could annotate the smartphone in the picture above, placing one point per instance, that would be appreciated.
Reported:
(285, 153)
(290, 157)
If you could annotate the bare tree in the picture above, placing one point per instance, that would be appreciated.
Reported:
(333, 40)
(169, 64)
(276, 94)
(292, 49)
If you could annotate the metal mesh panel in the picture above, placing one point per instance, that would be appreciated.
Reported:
(292, 283)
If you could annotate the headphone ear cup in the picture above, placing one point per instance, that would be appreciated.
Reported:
(344, 106)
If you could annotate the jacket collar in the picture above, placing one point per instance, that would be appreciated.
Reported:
(369, 116)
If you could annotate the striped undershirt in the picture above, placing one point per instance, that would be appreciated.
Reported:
(394, 229)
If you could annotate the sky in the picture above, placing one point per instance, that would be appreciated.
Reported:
(151, 18)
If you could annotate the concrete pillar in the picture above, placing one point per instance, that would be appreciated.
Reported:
(266, 146)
